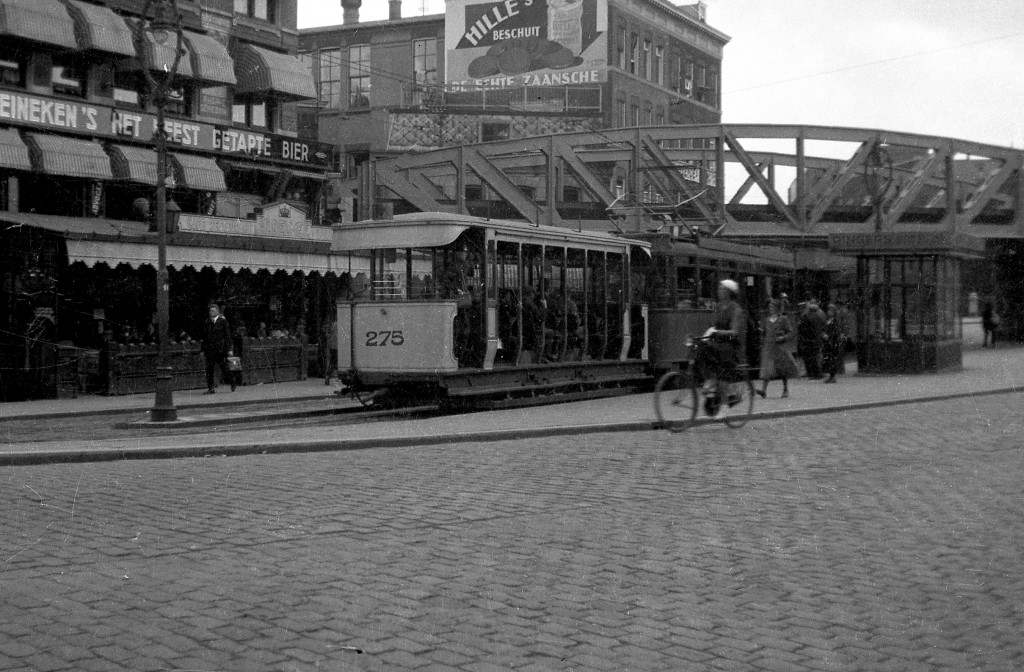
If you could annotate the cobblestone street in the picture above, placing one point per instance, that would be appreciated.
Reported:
(885, 539)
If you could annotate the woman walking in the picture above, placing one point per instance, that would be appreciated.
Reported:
(776, 360)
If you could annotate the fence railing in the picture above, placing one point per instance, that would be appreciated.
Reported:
(569, 98)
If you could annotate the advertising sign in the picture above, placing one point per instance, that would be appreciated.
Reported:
(37, 111)
(513, 43)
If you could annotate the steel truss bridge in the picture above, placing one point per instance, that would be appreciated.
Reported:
(762, 183)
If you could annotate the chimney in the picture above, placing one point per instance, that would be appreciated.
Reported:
(350, 11)
(396, 9)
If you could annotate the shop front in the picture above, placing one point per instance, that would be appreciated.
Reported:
(77, 300)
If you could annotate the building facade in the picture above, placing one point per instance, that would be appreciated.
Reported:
(487, 71)
(78, 174)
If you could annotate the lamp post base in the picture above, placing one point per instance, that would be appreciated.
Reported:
(163, 407)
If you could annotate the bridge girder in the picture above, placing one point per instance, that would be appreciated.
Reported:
(722, 176)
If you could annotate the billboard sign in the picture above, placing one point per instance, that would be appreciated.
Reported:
(513, 43)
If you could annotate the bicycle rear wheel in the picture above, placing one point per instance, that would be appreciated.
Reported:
(675, 401)
(740, 412)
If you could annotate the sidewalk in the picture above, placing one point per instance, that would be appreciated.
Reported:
(985, 371)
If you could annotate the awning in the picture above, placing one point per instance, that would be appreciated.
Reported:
(352, 237)
(134, 164)
(199, 172)
(45, 21)
(13, 152)
(58, 155)
(305, 174)
(90, 252)
(211, 62)
(267, 72)
(100, 29)
(160, 57)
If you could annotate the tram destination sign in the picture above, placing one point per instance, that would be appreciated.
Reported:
(515, 43)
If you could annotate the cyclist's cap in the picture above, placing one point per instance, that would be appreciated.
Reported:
(730, 285)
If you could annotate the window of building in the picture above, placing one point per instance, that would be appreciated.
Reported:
(571, 194)
(634, 52)
(620, 116)
(491, 132)
(67, 76)
(126, 89)
(659, 65)
(330, 78)
(359, 75)
(688, 79)
(424, 61)
(474, 192)
(634, 115)
(677, 73)
(702, 76)
(13, 66)
(258, 9)
(645, 60)
(179, 100)
(622, 47)
(645, 119)
(254, 114)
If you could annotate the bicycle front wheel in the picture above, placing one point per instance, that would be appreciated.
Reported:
(743, 407)
(675, 401)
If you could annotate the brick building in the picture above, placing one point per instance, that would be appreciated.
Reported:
(78, 175)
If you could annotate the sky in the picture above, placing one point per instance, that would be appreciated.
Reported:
(934, 67)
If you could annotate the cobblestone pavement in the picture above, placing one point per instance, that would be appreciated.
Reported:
(867, 540)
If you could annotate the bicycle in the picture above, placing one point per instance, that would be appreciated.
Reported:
(679, 397)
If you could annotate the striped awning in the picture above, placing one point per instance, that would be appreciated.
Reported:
(211, 61)
(90, 252)
(160, 57)
(134, 164)
(199, 172)
(100, 29)
(44, 21)
(58, 155)
(13, 152)
(261, 71)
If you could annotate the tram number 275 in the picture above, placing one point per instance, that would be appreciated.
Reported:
(380, 339)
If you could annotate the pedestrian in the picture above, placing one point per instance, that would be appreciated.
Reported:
(989, 322)
(238, 342)
(833, 344)
(328, 347)
(776, 360)
(809, 330)
(217, 348)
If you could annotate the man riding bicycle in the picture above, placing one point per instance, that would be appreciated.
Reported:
(726, 342)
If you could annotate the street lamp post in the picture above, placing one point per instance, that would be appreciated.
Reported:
(164, 23)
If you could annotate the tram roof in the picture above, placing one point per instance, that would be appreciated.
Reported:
(436, 229)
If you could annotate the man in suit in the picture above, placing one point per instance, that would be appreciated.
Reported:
(217, 348)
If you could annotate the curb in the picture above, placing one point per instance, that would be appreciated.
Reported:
(66, 455)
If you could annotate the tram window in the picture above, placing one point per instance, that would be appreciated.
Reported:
(388, 274)
(596, 318)
(613, 304)
(707, 286)
(576, 303)
(421, 279)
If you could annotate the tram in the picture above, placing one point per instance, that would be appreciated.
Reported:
(449, 307)
(460, 309)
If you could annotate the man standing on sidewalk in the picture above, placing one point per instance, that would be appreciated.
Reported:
(217, 348)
